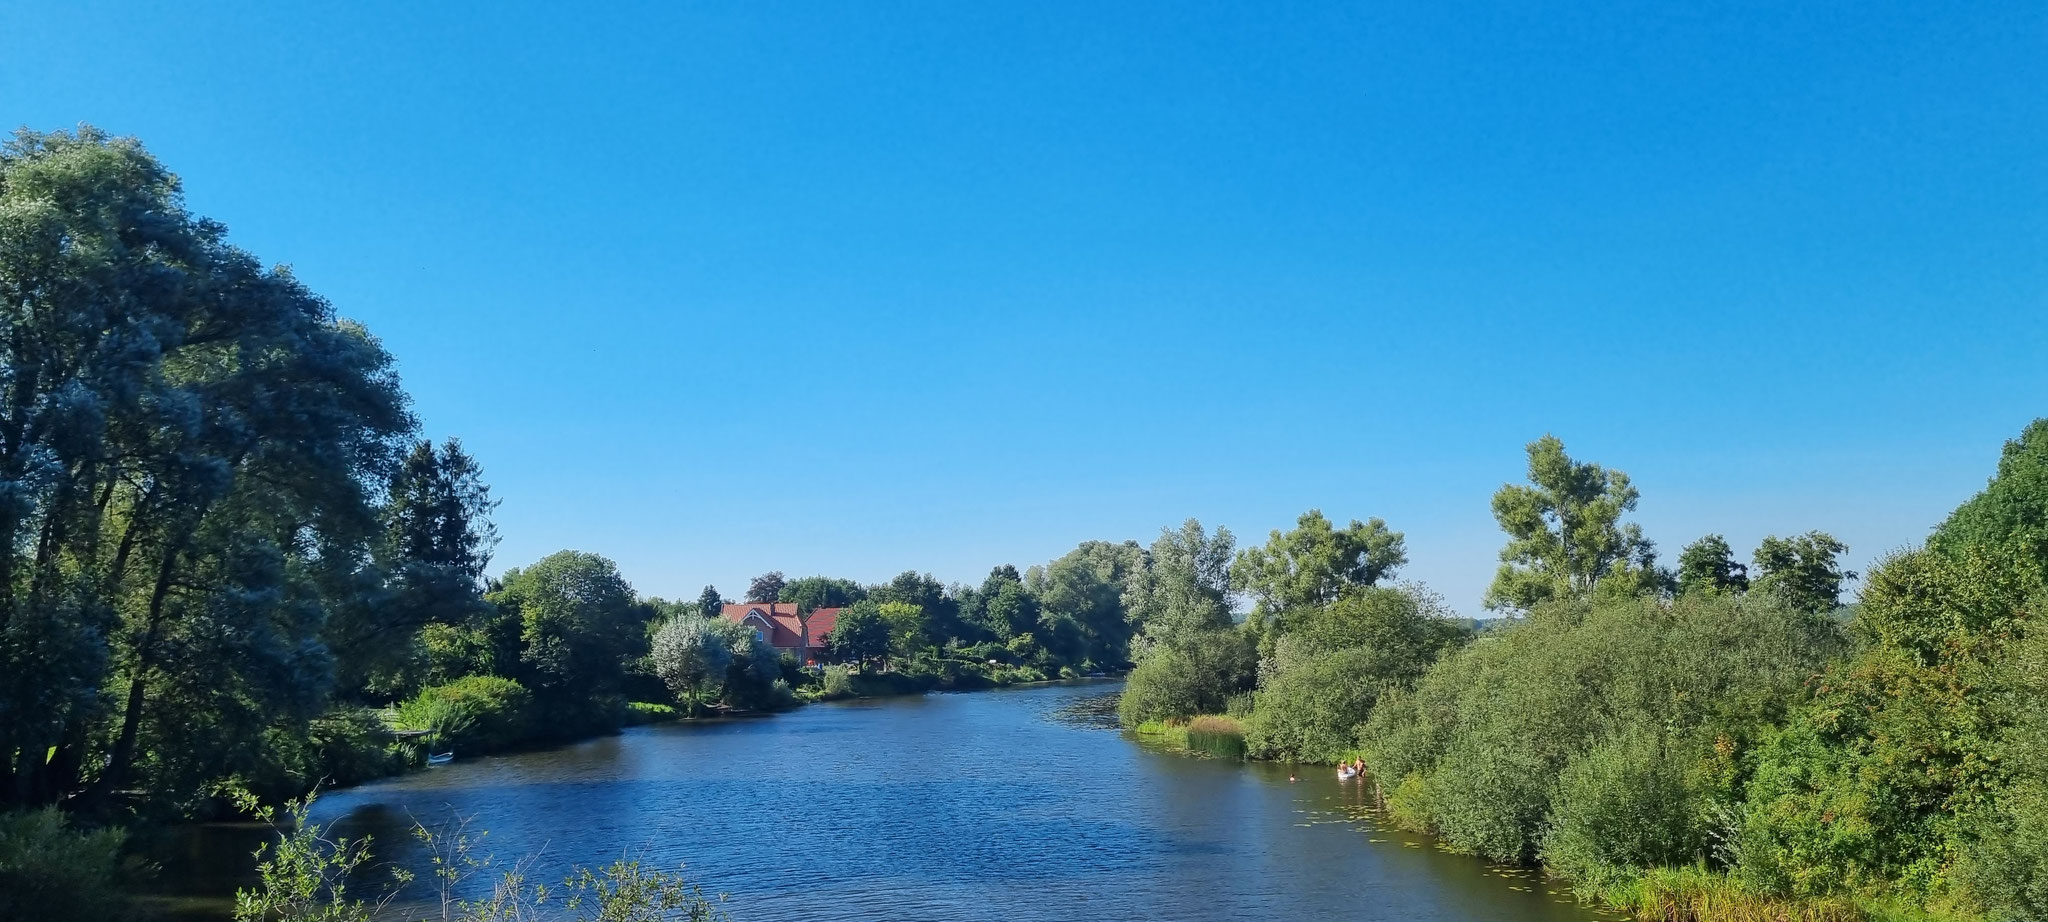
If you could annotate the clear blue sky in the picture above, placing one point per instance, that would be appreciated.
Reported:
(858, 287)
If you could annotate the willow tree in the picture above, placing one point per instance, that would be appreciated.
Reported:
(190, 445)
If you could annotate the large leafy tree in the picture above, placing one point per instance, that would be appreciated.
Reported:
(1184, 585)
(188, 444)
(862, 633)
(811, 593)
(1565, 532)
(766, 588)
(1708, 565)
(1316, 563)
(1085, 588)
(1804, 570)
(578, 625)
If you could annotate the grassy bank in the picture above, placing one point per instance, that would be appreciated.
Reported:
(1210, 735)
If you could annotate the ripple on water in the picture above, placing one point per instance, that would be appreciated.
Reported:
(1007, 804)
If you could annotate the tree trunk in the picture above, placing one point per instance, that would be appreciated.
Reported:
(123, 755)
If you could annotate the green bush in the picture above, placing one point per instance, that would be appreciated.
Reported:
(1492, 726)
(474, 713)
(1311, 708)
(1623, 805)
(838, 682)
(1197, 675)
(52, 871)
(646, 712)
(353, 745)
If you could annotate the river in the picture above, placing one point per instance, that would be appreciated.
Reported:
(1011, 805)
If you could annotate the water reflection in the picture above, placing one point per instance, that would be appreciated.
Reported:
(1019, 804)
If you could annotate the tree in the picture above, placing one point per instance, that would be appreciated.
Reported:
(766, 588)
(814, 592)
(1184, 585)
(1565, 532)
(1804, 570)
(710, 604)
(1086, 588)
(907, 628)
(578, 624)
(1708, 565)
(1003, 607)
(2012, 507)
(861, 633)
(942, 611)
(189, 443)
(691, 658)
(438, 539)
(1315, 564)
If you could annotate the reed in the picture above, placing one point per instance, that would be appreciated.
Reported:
(1696, 894)
(1216, 735)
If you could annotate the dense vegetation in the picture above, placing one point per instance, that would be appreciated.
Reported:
(1723, 741)
(234, 569)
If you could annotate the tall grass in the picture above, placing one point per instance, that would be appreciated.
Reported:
(1695, 894)
(1216, 735)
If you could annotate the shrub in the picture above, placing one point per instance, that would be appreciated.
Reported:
(646, 712)
(353, 745)
(838, 682)
(50, 870)
(478, 713)
(1623, 805)
(1197, 675)
(1311, 707)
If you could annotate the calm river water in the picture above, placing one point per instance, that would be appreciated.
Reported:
(1010, 805)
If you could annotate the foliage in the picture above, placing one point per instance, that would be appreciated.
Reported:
(1195, 674)
(1490, 726)
(1081, 597)
(861, 634)
(193, 447)
(2013, 508)
(1803, 570)
(1184, 585)
(766, 588)
(474, 714)
(691, 656)
(1326, 673)
(1315, 563)
(648, 712)
(305, 876)
(814, 592)
(578, 624)
(1626, 803)
(1565, 531)
(710, 604)
(1907, 754)
(50, 869)
(1708, 565)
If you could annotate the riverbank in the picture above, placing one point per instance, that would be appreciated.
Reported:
(900, 809)
(1680, 894)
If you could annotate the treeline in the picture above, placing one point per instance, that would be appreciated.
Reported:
(1716, 741)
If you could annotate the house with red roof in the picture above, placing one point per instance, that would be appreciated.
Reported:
(778, 624)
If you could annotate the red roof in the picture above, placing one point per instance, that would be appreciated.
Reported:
(785, 631)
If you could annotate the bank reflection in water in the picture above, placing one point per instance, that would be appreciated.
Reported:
(991, 805)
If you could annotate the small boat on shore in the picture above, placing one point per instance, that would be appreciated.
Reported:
(440, 758)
